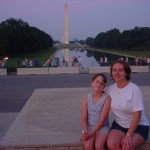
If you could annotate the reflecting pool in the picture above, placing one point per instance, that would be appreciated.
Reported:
(91, 58)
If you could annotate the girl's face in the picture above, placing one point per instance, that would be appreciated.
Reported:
(118, 72)
(98, 84)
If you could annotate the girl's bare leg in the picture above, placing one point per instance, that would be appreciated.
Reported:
(89, 144)
(100, 141)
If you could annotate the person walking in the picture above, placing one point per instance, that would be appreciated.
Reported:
(94, 117)
(80, 62)
(136, 61)
(130, 128)
(101, 61)
(148, 63)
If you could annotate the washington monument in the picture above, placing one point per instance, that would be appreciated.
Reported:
(66, 32)
(66, 36)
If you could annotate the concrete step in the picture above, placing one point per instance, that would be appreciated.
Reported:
(145, 146)
(45, 124)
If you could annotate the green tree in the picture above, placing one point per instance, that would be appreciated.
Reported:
(137, 38)
(90, 41)
(17, 37)
(110, 39)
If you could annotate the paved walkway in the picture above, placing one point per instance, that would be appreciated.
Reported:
(52, 116)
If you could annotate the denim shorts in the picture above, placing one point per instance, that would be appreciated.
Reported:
(142, 130)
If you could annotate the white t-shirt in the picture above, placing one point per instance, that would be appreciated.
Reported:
(124, 102)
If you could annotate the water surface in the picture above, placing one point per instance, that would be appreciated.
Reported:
(91, 58)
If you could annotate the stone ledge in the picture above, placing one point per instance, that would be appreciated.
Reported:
(99, 69)
(107, 69)
(145, 146)
(3, 71)
(50, 70)
(43, 147)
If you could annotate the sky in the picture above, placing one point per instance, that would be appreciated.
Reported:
(87, 18)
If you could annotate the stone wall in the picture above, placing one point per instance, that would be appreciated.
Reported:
(68, 70)
(107, 69)
(3, 71)
(50, 70)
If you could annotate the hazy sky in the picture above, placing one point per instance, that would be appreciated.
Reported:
(87, 18)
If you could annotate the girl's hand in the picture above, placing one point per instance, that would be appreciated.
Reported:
(84, 136)
(127, 142)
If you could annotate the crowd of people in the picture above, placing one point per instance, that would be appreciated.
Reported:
(138, 62)
(103, 61)
(76, 62)
(53, 62)
(56, 62)
(28, 63)
(130, 128)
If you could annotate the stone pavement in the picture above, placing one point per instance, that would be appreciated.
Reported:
(52, 116)
(16, 91)
(6, 119)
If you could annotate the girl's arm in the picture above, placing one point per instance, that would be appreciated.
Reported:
(84, 115)
(104, 115)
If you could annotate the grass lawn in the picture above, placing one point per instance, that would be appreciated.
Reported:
(41, 55)
(137, 53)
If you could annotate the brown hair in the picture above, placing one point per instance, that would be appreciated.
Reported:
(100, 74)
(126, 68)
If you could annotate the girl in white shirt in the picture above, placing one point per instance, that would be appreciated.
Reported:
(130, 128)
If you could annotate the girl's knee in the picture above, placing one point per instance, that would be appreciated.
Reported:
(112, 145)
(99, 146)
(88, 146)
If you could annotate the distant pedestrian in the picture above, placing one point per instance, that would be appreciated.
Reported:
(50, 60)
(30, 63)
(75, 61)
(80, 62)
(121, 58)
(127, 60)
(63, 61)
(56, 62)
(101, 61)
(1, 61)
(136, 61)
(36, 62)
(148, 63)
(105, 60)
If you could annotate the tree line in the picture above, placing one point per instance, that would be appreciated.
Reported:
(134, 39)
(17, 37)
